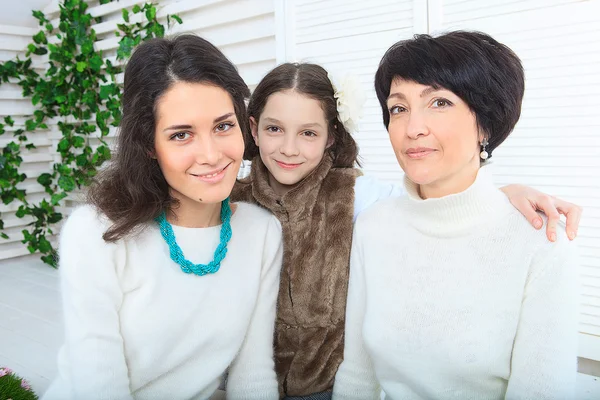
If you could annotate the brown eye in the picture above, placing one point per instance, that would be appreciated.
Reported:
(396, 110)
(225, 126)
(441, 103)
(179, 136)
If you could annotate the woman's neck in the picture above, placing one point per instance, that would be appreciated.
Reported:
(193, 214)
(455, 183)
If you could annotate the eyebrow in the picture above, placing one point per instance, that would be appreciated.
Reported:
(304, 126)
(183, 127)
(177, 127)
(425, 92)
(272, 120)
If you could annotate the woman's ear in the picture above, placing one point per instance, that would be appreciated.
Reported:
(254, 129)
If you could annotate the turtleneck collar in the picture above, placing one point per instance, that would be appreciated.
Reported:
(297, 203)
(457, 214)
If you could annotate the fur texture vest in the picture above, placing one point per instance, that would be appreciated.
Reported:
(316, 218)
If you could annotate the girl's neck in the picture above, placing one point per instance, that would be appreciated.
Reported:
(193, 214)
(279, 188)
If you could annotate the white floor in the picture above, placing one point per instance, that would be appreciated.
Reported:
(31, 328)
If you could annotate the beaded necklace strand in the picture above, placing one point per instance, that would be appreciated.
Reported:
(176, 253)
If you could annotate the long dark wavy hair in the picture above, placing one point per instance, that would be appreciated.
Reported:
(132, 190)
(311, 80)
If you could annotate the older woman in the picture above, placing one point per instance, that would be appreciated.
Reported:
(452, 294)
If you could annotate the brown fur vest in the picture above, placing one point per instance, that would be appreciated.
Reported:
(316, 218)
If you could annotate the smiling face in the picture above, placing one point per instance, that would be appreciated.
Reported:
(435, 137)
(198, 143)
(292, 136)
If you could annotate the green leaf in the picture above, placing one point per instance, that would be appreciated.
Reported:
(96, 63)
(81, 66)
(44, 245)
(9, 121)
(56, 198)
(66, 183)
(4, 235)
(106, 91)
(21, 212)
(87, 47)
(40, 38)
(177, 18)
(125, 46)
(64, 144)
(39, 16)
(151, 13)
(136, 9)
(30, 125)
(51, 260)
(49, 27)
(54, 217)
(78, 142)
(44, 179)
(125, 15)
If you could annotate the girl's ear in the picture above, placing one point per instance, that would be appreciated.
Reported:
(330, 139)
(254, 129)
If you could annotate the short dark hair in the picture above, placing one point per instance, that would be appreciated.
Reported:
(484, 73)
(132, 190)
(311, 80)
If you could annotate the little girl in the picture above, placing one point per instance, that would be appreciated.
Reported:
(145, 318)
(303, 158)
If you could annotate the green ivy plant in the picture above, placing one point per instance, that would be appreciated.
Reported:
(79, 93)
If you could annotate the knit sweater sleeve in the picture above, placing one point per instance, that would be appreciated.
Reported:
(252, 374)
(544, 359)
(355, 379)
(91, 300)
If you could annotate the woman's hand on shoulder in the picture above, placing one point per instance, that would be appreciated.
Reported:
(528, 201)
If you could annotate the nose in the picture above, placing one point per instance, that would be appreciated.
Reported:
(207, 150)
(417, 125)
(288, 146)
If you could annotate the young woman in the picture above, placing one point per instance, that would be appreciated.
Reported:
(303, 172)
(452, 294)
(165, 283)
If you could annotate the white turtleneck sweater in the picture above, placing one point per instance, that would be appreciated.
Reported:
(137, 327)
(458, 298)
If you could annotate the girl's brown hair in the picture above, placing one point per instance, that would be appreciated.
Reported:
(132, 190)
(310, 80)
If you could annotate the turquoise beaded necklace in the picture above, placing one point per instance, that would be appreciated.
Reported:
(186, 265)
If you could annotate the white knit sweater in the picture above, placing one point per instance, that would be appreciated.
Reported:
(137, 327)
(458, 298)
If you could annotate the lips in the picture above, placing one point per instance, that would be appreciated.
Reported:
(213, 176)
(287, 166)
(419, 152)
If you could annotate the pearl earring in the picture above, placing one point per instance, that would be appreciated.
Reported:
(484, 154)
